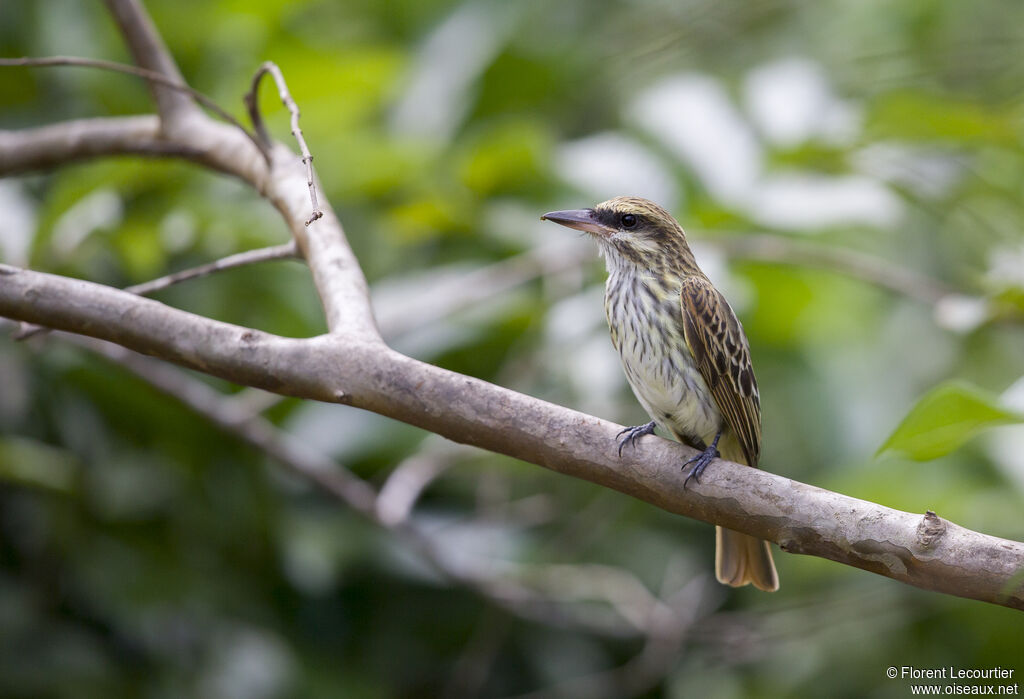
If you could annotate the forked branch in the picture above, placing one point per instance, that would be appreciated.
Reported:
(798, 517)
(352, 365)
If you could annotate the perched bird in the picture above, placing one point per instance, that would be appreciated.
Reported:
(684, 352)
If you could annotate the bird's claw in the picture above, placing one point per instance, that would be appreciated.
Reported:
(701, 461)
(634, 433)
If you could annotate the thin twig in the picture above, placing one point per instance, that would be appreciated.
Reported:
(152, 76)
(284, 251)
(505, 592)
(351, 365)
(252, 102)
(365, 373)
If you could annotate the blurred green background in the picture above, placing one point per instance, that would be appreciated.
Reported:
(143, 552)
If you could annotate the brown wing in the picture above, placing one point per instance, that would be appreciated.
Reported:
(720, 350)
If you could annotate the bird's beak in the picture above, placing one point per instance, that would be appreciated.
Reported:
(580, 219)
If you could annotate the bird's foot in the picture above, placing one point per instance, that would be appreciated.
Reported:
(633, 433)
(701, 461)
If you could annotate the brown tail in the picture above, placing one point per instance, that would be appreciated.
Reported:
(741, 559)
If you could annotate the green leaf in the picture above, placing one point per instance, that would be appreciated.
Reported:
(945, 418)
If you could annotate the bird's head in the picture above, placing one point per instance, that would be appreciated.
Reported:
(632, 230)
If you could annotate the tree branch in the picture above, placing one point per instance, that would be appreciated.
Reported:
(33, 149)
(149, 52)
(923, 551)
(353, 366)
(634, 606)
(336, 272)
(249, 257)
(148, 75)
(285, 251)
(70, 141)
(253, 104)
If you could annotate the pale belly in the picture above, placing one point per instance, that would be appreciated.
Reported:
(660, 370)
(674, 394)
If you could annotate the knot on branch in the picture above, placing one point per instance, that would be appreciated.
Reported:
(930, 529)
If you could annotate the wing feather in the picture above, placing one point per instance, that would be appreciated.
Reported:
(720, 350)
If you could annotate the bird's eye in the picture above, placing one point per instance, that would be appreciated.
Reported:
(628, 220)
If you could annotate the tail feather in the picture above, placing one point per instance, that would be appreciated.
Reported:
(741, 559)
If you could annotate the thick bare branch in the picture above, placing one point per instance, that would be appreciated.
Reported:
(623, 592)
(352, 365)
(336, 272)
(799, 517)
(249, 257)
(71, 141)
(149, 75)
(150, 327)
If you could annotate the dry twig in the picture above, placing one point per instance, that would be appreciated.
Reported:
(241, 259)
(352, 365)
(149, 75)
(252, 102)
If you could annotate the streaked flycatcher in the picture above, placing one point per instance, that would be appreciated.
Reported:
(684, 352)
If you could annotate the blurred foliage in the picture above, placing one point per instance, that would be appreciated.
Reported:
(145, 553)
(945, 418)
